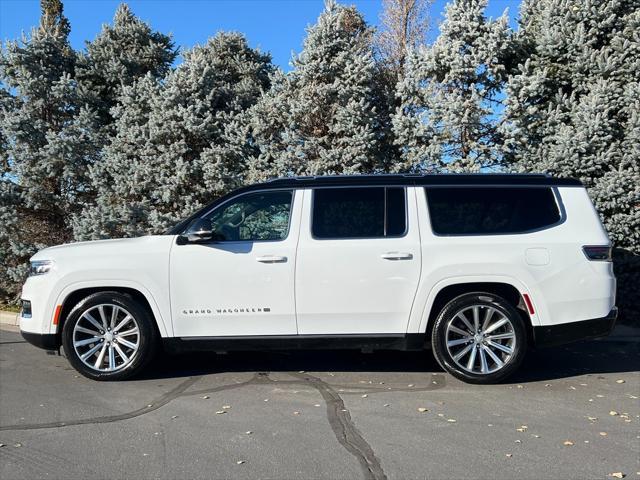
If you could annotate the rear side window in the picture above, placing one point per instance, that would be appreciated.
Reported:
(490, 210)
(371, 212)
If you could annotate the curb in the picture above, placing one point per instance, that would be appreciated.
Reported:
(8, 318)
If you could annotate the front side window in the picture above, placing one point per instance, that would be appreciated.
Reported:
(370, 212)
(256, 216)
(490, 210)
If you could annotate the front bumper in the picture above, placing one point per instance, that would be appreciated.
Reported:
(552, 335)
(47, 341)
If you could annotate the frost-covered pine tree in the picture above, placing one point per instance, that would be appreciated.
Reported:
(179, 142)
(47, 142)
(121, 54)
(450, 94)
(321, 118)
(572, 109)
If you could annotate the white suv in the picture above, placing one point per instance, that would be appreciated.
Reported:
(479, 267)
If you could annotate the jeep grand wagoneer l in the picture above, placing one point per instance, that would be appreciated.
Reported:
(477, 267)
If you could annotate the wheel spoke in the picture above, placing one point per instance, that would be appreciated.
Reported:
(504, 348)
(103, 317)
(90, 352)
(128, 333)
(86, 330)
(484, 368)
(98, 363)
(114, 316)
(476, 318)
(499, 363)
(487, 318)
(112, 358)
(459, 331)
(127, 343)
(80, 343)
(462, 352)
(123, 355)
(453, 343)
(496, 325)
(123, 322)
(501, 336)
(92, 320)
(462, 317)
(472, 358)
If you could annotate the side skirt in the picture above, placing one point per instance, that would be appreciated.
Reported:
(412, 341)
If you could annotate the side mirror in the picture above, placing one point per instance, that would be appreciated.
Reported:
(200, 231)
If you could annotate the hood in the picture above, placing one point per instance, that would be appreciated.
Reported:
(117, 247)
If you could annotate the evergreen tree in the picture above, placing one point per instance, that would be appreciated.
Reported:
(572, 110)
(47, 141)
(322, 117)
(450, 94)
(179, 142)
(121, 54)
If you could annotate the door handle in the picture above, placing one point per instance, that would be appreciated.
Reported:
(397, 256)
(272, 259)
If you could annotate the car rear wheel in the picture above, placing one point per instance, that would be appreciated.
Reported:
(109, 336)
(479, 338)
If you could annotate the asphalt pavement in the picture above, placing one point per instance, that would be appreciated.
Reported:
(571, 412)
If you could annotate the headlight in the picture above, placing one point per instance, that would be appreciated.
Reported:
(40, 267)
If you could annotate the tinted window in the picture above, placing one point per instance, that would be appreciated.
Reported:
(489, 210)
(251, 217)
(358, 212)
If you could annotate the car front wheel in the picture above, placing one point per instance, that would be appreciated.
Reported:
(479, 338)
(109, 336)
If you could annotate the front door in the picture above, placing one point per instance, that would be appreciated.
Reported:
(358, 261)
(242, 282)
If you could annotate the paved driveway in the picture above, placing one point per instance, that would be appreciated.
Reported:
(573, 412)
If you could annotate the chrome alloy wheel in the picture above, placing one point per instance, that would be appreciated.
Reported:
(106, 338)
(480, 339)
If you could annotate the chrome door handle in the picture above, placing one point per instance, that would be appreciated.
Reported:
(272, 259)
(397, 256)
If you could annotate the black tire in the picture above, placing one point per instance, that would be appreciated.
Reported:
(484, 301)
(147, 339)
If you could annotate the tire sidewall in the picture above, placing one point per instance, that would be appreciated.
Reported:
(438, 339)
(147, 335)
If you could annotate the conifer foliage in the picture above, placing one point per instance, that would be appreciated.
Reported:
(450, 91)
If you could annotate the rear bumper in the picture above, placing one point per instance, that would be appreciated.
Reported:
(47, 341)
(552, 335)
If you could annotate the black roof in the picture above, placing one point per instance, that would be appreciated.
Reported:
(449, 179)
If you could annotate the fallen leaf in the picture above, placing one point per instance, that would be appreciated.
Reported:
(600, 396)
(572, 387)
(410, 385)
(518, 441)
(422, 409)
(617, 475)
(613, 413)
(296, 413)
(620, 381)
(17, 445)
(441, 414)
(520, 386)
(593, 419)
(206, 397)
(451, 420)
(2, 445)
(386, 405)
(240, 462)
(221, 412)
(568, 443)
(547, 384)
(603, 434)
(266, 399)
(365, 395)
(226, 407)
(317, 405)
(248, 432)
(174, 416)
(509, 455)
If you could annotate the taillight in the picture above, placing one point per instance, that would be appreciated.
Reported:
(597, 252)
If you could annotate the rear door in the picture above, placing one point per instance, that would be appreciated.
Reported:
(358, 261)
